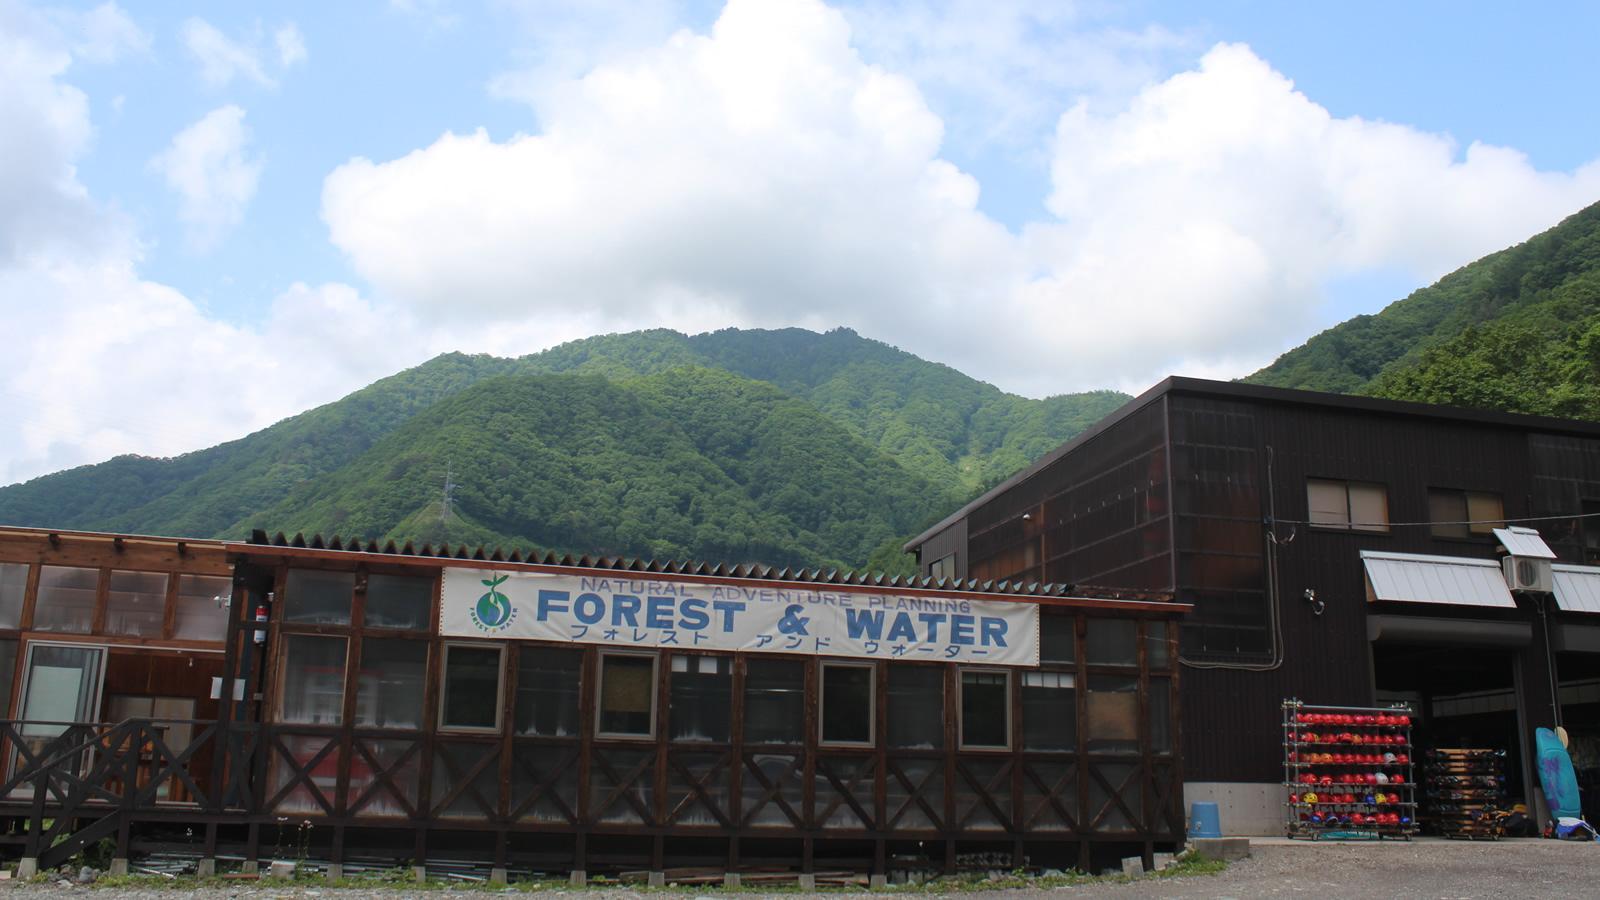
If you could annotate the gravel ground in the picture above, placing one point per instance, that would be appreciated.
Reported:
(1327, 871)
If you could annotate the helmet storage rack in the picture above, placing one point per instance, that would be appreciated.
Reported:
(1348, 772)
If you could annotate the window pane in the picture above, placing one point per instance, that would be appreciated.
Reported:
(1487, 511)
(627, 694)
(1447, 506)
(136, 603)
(1161, 715)
(1113, 714)
(916, 707)
(774, 701)
(1369, 507)
(318, 598)
(13, 585)
(1155, 645)
(1329, 503)
(313, 680)
(471, 687)
(985, 707)
(1049, 711)
(202, 613)
(547, 691)
(701, 698)
(1112, 642)
(66, 599)
(847, 704)
(389, 689)
(1057, 638)
(397, 601)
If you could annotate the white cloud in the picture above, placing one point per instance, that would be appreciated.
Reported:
(207, 166)
(763, 174)
(102, 361)
(291, 45)
(223, 59)
(104, 34)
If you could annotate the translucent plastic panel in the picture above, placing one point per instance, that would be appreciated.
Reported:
(1156, 653)
(202, 608)
(386, 797)
(774, 701)
(389, 685)
(985, 709)
(318, 598)
(916, 707)
(1049, 712)
(397, 601)
(1057, 638)
(701, 698)
(627, 694)
(1161, 715)
(547, 691)
(323, 774)
(453, 766)
(313, 680)
(66, 599)
(13, 586)
(1112, 642)
(471, 688)
(846, 704)
(136, 603)
(1113, 714)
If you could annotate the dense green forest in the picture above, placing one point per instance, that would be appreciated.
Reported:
(785, 447)
(1518, 330)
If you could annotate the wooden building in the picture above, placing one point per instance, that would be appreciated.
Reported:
(326, 700)
(1267, 510)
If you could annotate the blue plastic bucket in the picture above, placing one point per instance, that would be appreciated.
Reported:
(1203, 820)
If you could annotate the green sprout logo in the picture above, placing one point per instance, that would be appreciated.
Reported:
(493, 611)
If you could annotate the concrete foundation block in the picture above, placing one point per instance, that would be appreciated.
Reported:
(206, 868)
(28, 866)
(578, 878)
(1162, 861)
(250, 867)
(808, 881)
(658, 879)
(1132, 866)
(1228, 849)
(420, 873)
(730, 879)
(497, 875)
(119, 866)
(280, 868)
(877, 880)
(335, 871)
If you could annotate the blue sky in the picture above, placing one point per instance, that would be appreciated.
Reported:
(316, 194)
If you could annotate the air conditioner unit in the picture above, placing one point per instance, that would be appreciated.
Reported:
(1524, 573)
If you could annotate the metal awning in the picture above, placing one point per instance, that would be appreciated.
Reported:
(1449, 580)
(1577, 588)
(1520, 541)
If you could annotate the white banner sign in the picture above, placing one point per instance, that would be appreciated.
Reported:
(637, 611)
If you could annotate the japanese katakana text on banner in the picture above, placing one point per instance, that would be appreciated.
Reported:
(642, 612)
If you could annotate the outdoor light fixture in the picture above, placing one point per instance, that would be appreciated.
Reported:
(1317, 606)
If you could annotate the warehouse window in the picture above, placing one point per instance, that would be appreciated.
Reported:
(471, 697)
(398, 601)
(136, 603)
(1057, 638)
(774, 701)
(1112, 642)
(66, 599)
(202, 613)
(1348, 505)
(985, 709)
(1464, 514)
(627, 706)
(943, 567)
(318, 598)
(389, 685)
(701, 706)
(547, 691)
(1113, 714)
(13, 587)
(847, 703)
(916, 707)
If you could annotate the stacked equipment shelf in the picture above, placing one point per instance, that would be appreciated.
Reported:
(1466, 792)
(1347, 772)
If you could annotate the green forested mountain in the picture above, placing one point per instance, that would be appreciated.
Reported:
(786, 447)
(1518, 330)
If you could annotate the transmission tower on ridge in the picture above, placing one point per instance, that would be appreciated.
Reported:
(447, 505)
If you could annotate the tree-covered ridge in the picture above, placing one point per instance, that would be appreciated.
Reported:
(1432, 345)
(775, 446)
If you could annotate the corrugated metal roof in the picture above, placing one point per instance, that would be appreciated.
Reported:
(719, 570)
(1452, 580)
(1577, 588)
(1520, 541)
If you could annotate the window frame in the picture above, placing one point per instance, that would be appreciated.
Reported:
(285, 639)
(1348, 525)
(1466, 496)
(961, 709)
(444, 690)
(872, 703)
(691, 663)
(600, 693)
